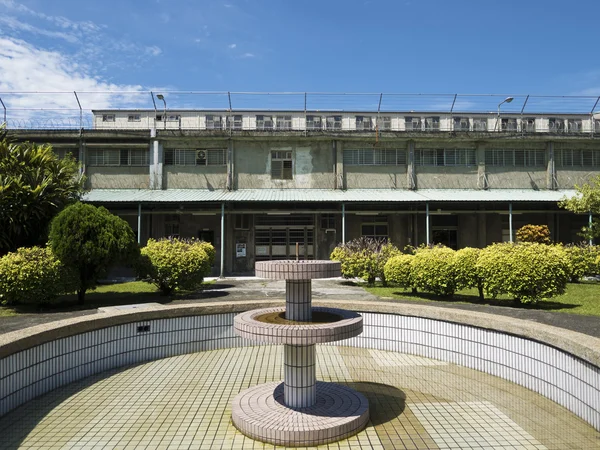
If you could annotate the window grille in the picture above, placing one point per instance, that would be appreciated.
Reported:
(528, 125)
(264, 122)
(284, 122)
(384, 123)
(413, 123)
(214, 122)
(374, 157)
(364, 123)
(375, 228)
(579, 158)
(509, 124)
(314, 122)
(445, 157)
(515, 157)
(196, 157)
(575, 125)
(334, 122)
(108, 117)
(480, 124)
(118, 157)
(134, 118)
(172, 222)
(556, 125)
(431, 123)
(281, 165)
(461, 124)
(234, 122)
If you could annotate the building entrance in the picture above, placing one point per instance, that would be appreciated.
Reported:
(276, 236)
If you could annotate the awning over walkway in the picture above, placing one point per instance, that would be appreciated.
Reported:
(324, 195)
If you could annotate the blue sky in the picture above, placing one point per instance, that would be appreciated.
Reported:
(438, 46)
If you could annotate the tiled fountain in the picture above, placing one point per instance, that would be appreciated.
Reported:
(301, 411)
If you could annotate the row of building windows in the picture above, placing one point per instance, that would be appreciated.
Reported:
(383, 123)
(282, 161)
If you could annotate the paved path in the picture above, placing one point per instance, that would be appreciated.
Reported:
(251, 288)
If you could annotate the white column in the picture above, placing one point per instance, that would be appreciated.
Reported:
(298, 299)
(139, 233)
(510, 228)
(427, 222)
(299, 376)
(343, 223)
(222, 240)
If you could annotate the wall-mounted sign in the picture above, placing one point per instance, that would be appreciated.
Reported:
(240, 250)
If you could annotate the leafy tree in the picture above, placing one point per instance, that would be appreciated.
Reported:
(34, 185)
(90, 240)
(587, 200)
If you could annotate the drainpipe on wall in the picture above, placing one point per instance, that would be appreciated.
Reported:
(222, 240)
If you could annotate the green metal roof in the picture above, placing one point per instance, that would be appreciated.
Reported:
(323, 195)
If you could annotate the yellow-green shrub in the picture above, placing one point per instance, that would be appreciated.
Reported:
(534, 233)
(174, 264)
(528, 272)
(465, 271)
(432, 270)
(364, 258)
(397, 270)
(33, 275)
(582, 260)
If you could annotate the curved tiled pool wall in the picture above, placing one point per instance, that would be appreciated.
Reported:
(554, 373)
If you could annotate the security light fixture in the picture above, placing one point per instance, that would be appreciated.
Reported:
(164, 118)
(506, 100)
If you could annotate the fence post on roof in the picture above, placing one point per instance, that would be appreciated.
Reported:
(4, 106)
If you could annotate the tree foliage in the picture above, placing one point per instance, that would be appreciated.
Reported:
(174, 264)
(587, 200)
(34, 185)
(90, 240)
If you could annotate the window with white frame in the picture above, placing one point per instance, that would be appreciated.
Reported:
(515, 157)
(108, 117)
(556, 125)
(281, 165)
(364, 122)
(134, 118)
(579, 157)
(432, 123)
(480, 124)
(528, 124)
(234, 122)
(375, 227)
(214, 122)
(384, 123)
(445, 157)
(412, 123)
(461, 124)
(374, 156)
(118, 157)
(264, 122)
(195, 157)
(314, 122)
(284, 122)
(575, 125)
(334, 122)
(508, 124)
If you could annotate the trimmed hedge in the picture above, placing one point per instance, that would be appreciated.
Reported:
(175, 264)
(529, 272)
(33, 275)
(582, 260)
(397, 270)
(432, 270)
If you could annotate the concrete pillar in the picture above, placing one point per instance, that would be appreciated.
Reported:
(510, 224)
(139, 224)
(299, 376)
(482, 181)
(343, 223)
(298, 298)
(550, 168)
(156, 166)
(411, 180)
(221, 272)
(340, 175)
(427, 223)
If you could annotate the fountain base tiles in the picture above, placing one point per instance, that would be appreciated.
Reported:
(300, 411)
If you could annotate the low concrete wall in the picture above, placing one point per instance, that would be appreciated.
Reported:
(560, 364)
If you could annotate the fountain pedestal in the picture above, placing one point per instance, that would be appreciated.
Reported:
(301, 411)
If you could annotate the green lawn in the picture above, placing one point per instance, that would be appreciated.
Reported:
(104, 295)
(580, 298)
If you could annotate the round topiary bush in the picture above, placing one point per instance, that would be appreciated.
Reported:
(33, 275)
(528, 272)
(432, 270)
(397, 270)
(175, 264)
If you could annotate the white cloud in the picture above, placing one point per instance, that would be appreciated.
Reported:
(37, 80)
(232, 46)
(17, 25)
(153, 50)
(248, 55)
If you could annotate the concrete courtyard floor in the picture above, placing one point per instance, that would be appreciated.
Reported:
(184, 402)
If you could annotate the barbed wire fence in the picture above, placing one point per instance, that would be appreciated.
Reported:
(74, 110)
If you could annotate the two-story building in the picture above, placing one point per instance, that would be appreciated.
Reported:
(261, 184)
